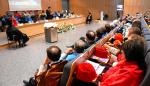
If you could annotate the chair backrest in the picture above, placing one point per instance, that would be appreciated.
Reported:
(146, 79)
(52, 76)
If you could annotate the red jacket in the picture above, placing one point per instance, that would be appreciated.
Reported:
(124, 74)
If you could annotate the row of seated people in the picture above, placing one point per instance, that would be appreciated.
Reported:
(31, 16)
(131, 66)
(70, 54)
(132, 63)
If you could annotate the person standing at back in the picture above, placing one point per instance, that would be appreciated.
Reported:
(89, 18)
(49, 13)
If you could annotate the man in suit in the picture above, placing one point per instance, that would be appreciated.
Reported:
(49, 13)
(89, 18)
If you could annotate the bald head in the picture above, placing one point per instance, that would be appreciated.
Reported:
(53, 53)
(90, 35)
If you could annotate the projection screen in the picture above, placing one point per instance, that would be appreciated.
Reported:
(23, 5)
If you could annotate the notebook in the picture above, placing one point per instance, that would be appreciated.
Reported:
(98, 68)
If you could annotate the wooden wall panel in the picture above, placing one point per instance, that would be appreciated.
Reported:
(94, 6)
(134, 6)
(4, 6)
(55, 4)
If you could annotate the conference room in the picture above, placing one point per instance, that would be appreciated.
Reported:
(74, 42)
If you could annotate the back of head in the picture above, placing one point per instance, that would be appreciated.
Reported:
(134, 50)
(135, 30)
(108, 27)
(100, 31)
(90, 35)
(137, 23)
(79, 46)
(53, 53)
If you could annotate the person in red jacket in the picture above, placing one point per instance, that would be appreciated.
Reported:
(128, 72)
(131, 71)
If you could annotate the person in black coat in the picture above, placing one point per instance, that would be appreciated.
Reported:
(89, 18)
(15, 34)
(49, 13)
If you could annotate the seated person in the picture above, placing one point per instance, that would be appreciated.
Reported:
(100, 33)
(85, 75)
(53, 56)
(43, 15)
(137, 23)
(78, 48)
(115, 40)
(89, 18)
(126, 73)
(15, 34)
(134, 30)
(108, 28)
(90, 38)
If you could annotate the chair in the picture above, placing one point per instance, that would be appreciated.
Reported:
(52, 76)
(146, 79)
(12, 40)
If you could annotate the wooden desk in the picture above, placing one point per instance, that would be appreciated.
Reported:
(38, 28)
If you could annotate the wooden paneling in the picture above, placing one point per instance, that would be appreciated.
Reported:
(4, 6)
(134, 6)
(94, 6)
(55, 4)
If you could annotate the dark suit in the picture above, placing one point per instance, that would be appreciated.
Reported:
(89, 19)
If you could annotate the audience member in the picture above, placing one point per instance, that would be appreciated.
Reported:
(90, 38)
(78, 48)
(53, 55)
(14, 34)
(51, 61)
(137, 23)
(134, 30)
(43, 15)
(85, 75)
(100, 33)
(108, 28)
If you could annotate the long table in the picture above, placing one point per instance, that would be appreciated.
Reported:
(38, 28)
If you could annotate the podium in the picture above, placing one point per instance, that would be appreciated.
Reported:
(51, 34)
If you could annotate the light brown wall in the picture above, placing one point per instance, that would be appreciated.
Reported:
(4, 6)
(55, 4)
(94, 6)
(133, 6)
